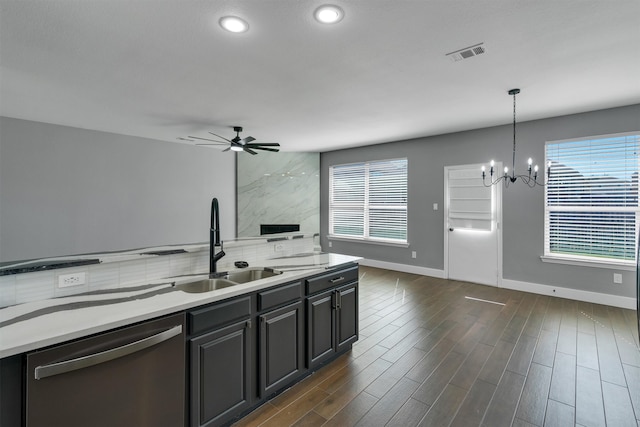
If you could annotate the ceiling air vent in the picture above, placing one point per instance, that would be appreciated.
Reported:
(467, 52)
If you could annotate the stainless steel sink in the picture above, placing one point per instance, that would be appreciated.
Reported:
(205, 285)
(251, 274)
(227, 280)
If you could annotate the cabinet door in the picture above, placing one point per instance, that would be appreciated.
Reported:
(281, 347)
(320, 327)
(220, 374)
(347, 316)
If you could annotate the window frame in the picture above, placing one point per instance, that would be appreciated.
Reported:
(366, 206)
(589, 260)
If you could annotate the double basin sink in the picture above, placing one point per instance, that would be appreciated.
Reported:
(226, 280)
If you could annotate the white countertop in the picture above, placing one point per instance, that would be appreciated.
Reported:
(39, 324)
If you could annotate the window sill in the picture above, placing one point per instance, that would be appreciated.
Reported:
(368, 241)
(613, 265)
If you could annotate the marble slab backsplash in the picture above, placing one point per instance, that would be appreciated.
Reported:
(141, 270)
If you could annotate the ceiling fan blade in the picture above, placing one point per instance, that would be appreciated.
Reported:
(275, 150)
(207, 139)
(184, 139)
(226, 149)
(266, 144)
(249, 150)
(247, 140)
(221, 137)
(215, 145)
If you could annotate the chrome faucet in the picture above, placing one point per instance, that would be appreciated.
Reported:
(214, 237)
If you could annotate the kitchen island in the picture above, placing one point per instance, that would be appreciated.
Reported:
(29, 326)
(302, 301)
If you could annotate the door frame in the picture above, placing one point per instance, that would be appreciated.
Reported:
(445, 228)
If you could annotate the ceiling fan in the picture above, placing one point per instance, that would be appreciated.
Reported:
(237, 143)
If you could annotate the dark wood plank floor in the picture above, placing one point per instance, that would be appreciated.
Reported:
(429, 356)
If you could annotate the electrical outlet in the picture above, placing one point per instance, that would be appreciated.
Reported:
(413, 254)
(278, 247)
(72, 279)
(617, 278)
(435, 206)
(330, 244)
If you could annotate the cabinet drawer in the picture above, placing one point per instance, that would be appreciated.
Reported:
(279, 296)
(220, 314)
(332, 279)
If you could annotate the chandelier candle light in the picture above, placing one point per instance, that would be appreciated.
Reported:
(530, 179)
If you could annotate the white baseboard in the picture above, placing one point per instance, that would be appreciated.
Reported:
(574, 294)
(413, 269)
(535, 288)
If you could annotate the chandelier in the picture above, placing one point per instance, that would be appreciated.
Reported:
(531, 178)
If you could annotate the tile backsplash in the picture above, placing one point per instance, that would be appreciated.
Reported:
(140, 270)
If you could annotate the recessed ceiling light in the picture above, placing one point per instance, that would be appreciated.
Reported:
(328, 14)
(234, 24)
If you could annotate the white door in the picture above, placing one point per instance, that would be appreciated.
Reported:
(472, 226)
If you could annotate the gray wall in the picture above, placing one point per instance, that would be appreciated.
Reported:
(523, 208)
(67, 191)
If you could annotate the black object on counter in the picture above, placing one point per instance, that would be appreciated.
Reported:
(241, 264)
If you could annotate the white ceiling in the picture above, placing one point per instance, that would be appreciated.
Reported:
(163, 69)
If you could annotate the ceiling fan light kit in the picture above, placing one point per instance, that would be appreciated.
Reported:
(237, 143)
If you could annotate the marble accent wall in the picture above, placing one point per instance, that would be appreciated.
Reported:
(278, 188)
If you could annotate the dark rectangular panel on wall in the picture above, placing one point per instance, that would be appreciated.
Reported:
(278, 228)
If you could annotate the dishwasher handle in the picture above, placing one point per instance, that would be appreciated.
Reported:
(52, 369)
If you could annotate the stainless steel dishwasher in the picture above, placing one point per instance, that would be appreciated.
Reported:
(132, 377)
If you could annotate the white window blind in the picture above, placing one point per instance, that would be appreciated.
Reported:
(591, 198)
(369, 200)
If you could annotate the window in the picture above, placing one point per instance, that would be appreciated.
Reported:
(591, 199)
(368, 201)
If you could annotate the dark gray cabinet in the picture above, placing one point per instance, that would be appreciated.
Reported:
(347, 316)
(332, 315)
(320, 327)
(242, 350)
(222, 356)
(281, 337)
(281, 351)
